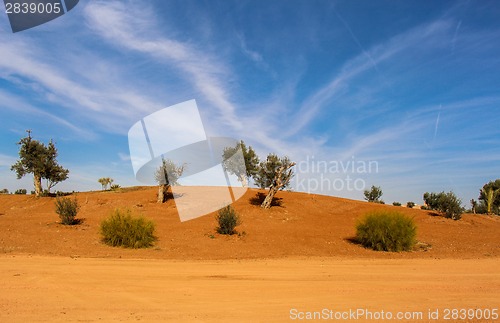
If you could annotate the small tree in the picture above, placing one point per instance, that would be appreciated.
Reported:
(275, 173)
(410, 205)
(166, 175)
(473, 204)
(451, 206)
(40, 160)
(105, 181)
(432, 200)
(53, 173)
(447, 203)
(374, 194)
(243, 166)
(490, 195)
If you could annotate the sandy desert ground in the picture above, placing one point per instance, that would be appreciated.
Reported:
(284, 264)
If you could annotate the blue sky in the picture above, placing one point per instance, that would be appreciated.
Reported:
(411, 85)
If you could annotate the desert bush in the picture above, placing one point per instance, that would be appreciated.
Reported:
(227, 219)
(121, 229)
(374, 194)
(396, 203)
(410, 205)
(386, 231)
(4, 191)
(67, 210)
(481, 208)
(447, 203)
(115, 187)
(451, 206)
(21, 191)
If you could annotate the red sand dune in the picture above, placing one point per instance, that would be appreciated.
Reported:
(285, 262)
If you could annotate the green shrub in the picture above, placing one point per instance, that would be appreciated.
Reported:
(386, 231)
(115, 187)
(374, 194)
(21, 191)
(67, 210)
(396, 203)
(121, 229)
(227, 219)
(447, 203)
(451, 206)
(410, 205)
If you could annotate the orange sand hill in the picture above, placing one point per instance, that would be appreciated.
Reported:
(294, 262)
(304, 225)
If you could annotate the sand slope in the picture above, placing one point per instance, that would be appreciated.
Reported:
(304, 225)
(285, 264)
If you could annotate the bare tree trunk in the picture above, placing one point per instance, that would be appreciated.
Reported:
(244, 180)
(163, 193)
(269, 198)
(37, 180)
(281, 179)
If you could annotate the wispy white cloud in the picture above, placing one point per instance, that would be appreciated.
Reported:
(251, 54)
(131, 26)
(424, 36)
(18, 105)
(124, 157)
(83, 86)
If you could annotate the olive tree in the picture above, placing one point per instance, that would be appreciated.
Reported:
(40, 160)
(244, 165)
(274, 173)
(447, 203)
(374, 194)
(166, 175)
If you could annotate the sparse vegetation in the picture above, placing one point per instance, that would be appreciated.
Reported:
(115, 187)
(121, 229)
(410, 205)
(386, 231)
(67, 210)
(244, 165)
(21, 191)
(374, 194)
(274, 173)
(473, 204)
(227, 220)
(40, 160)
(447, 203)
(489, 196)
(167, 175)
(105, 181)
(4, 191)
(396, 203)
